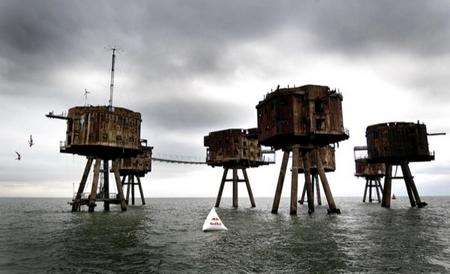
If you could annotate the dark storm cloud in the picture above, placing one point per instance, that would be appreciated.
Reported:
(379, 27)
(38, 36)
(192, 114)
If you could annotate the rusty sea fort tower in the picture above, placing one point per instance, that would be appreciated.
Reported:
(235, 149)
(132, 169)
(103, 134)
(371, 172)
(398, 144)
(302, 120)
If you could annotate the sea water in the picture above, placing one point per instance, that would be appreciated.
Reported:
(42, 235)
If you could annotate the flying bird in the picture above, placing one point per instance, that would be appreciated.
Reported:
(18, 156)
(30, 142)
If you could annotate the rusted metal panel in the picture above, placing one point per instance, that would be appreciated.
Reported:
(138, 165)
(233, 147)
(398, 142)
(101, 132)
(327, 154)
(369, 170)
(307, 115)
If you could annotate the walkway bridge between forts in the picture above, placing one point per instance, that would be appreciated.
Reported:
(176, 161)
(268, 156)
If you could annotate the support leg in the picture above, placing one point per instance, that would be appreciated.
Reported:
(370, 190)
(408, 177)
(294, 182)
(332, 209)
(128, 183)
(76, 203)
(235, 188)
(387, 187)
(376, 182)
(106, 184)
(222, 184)
(140, 190)
(249, 189)
(380, 185)
(408, 186)
(302, 199)
(123, 204)
(319, 199)
(93, 195)
(276, 199)
(308, 183)
(132, 189)
(365, 190)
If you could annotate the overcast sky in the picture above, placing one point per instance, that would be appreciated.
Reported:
(191, 67)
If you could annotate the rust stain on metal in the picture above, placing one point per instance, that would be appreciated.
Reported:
(307, 115)
(398, 142)
(139, 165)
(327, 154)
(365, 169)
(233, 147)
(98, 131)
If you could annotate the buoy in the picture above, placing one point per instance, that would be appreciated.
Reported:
(213, 222)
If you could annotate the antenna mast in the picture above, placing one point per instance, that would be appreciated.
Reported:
(111, 86)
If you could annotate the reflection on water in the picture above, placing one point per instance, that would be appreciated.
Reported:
(165, 235)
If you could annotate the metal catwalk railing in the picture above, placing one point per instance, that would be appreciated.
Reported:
(178, 159)
(267, 156)
(173, 161)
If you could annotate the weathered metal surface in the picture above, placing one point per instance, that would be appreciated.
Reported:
(309, 115)
(327, 154)
(101, 132)
(138, 165)
(398, 142)
(365, 169)
(233, 147)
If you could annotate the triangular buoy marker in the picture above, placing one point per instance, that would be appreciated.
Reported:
(213, 222)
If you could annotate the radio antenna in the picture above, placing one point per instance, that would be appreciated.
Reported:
(86, 92)
(111, 86)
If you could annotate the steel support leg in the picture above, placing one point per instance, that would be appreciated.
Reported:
(387, 187)
(222, 184)
(249, 189)
(140, 190)
(76, 203)
(123, 204)
(294, 181)
(308, 183)
(93, 195)
(332, 209)
(276, 199)
(235, 188)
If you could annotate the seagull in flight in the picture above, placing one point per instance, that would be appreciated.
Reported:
(18, 156)
(30, 142)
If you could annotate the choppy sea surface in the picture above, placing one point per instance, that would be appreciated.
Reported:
(42, 235)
